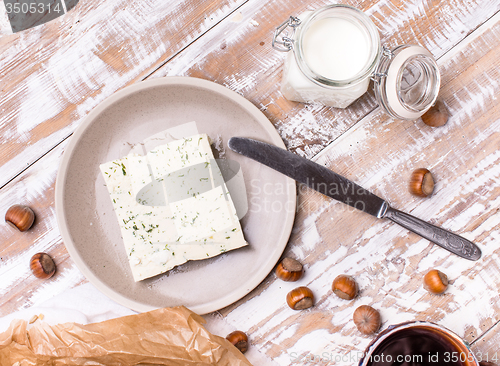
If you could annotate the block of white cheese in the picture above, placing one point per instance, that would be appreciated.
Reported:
(172, 206)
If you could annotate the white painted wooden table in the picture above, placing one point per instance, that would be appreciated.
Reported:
(51, 76)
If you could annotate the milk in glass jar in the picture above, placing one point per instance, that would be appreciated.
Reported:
(334, 52)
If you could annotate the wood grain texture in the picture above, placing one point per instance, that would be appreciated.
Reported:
(51, 76)
(486, 347)
(388, 262)
(35, 188)
(242, 43)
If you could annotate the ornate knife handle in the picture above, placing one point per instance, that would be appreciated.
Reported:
(449, 241)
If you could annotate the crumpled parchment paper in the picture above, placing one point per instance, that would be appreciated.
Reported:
(169, 336)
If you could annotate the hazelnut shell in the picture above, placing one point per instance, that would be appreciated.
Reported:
(435, 281)
(345, 287)
(289, 270)
(421, 183)
(20, 217)
(42, 265)
(366, 319)
(239, 339)
(437, 115)
(300, 298)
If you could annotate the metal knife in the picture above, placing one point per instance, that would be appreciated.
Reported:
(342, 189)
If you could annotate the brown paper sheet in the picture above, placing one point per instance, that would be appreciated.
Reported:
(169, 336)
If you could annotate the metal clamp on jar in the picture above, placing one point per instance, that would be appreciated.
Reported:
(336, 51)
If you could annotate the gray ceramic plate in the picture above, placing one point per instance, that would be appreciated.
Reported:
(89, 226)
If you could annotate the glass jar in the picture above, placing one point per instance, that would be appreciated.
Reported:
(336, 51)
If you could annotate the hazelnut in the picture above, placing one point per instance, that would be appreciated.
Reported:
(33, 319)
(289, 270)
(421, 183)
(239, 340)
(435, 281)
(437, 115)
(300, 298)
(367, 319)
(20, 217)
(345, 287)
(42, 265)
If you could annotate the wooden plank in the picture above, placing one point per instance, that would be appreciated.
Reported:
(387, 261)
(242, 44)
(330, 239)
(51, 76)
(486, 347)
(19, 288)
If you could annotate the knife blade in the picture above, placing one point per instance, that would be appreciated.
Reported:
(333, 185)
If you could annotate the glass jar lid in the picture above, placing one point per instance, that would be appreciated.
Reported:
(406, 81)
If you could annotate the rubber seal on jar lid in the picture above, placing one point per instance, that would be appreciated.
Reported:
(407, 81)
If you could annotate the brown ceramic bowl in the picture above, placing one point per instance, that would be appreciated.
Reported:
(89, 226)
(420, 336)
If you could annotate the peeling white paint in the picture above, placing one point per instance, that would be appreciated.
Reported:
(385, 276)
(73, 69)
(15, 270)
(5, 28)
(370, 262)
